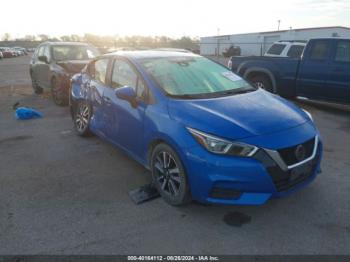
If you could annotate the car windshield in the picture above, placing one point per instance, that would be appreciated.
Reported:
(192, 76)
(73, 52)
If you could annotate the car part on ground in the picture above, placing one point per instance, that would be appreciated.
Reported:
(26, 113)
(144, 193)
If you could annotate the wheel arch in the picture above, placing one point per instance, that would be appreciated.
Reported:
(254, 71)
(159, 139)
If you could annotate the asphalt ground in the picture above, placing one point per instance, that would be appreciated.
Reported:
(63, 194)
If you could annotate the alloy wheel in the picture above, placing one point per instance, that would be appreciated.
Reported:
(82, 117)
(56, 92)
(167, 173)
(259, 85)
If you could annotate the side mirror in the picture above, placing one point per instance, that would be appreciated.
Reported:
(43, 58)
(127, 93)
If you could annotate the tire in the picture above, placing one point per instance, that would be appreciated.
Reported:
(37, 89)
(263, 82)
(169, 175)
(59, 93)
(81, 119)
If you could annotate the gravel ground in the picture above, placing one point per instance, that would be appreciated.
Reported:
(62, 194)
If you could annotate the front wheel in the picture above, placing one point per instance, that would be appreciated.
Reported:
(263, 82)
(59, 93)
(82, 115)
(169, 176)
(37, 89)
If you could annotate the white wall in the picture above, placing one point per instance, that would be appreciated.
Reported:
(255, 43)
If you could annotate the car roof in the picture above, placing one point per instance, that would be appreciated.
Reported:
(331, 38)
(290, 43)
(66, 43)
(140, 54)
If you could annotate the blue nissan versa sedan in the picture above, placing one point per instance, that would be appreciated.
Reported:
(204, 132)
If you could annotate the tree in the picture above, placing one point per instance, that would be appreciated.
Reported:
(43, 37)
(65, 38)
(29, 37)
(6, 37)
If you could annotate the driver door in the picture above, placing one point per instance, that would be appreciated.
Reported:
(125, 121)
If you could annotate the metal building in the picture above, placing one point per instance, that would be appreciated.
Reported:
(258, 43)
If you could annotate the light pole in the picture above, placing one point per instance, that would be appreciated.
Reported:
(218, 38)
(279, 23)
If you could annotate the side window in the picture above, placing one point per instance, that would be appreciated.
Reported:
(36, 52)
(342, 53)
(141, 89)
(41, 50)
(124, 75)
(295, 51)
(276, 49)
(47, 52)
(100, 70)
(319, 50)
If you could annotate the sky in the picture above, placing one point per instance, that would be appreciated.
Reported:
(173, 18)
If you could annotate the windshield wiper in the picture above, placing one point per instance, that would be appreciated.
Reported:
(187, 96)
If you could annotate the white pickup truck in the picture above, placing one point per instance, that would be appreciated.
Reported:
(292, 49)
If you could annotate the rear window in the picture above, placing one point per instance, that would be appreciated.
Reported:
(73, 52)
(276, 49)
(295, 51)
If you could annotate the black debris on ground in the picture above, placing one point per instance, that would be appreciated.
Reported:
(236, 219)
(144, 193)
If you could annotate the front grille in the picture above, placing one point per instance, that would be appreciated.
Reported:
(284, 180)
(289, 154)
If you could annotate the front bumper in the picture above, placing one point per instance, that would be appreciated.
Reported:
(225, 179)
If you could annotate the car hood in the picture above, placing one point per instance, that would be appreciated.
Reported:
(73, 66)
(238, 116)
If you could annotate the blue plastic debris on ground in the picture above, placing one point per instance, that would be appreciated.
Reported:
(25, 113)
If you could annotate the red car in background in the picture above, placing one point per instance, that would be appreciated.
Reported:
(6, 52)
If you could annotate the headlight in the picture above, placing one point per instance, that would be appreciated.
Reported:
(308, 114)
(221, 146)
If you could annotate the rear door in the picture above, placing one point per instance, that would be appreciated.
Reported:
(95, 87)
(313, 70)
(338, 82)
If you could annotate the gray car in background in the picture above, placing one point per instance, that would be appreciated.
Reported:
(54, 63)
